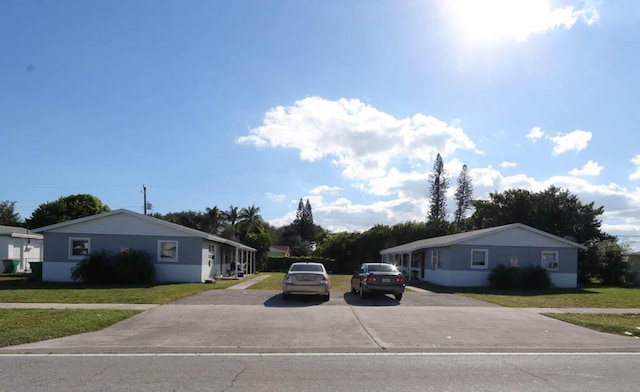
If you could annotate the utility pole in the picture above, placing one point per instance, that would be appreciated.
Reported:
(144, 191)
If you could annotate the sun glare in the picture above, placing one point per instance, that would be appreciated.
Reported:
(493, 20)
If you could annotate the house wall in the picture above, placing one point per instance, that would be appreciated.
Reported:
(455, 264)
(7, 251)
(189, 267)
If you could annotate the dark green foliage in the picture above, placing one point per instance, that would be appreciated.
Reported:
(612, 259)
(133, 266)
(282, 264)
(97, 268)
(439, 183)
(535, 278)
(65, 209)
(509, 278)
(503, 277)
(260, 241)
(463, 196)
(8, 214)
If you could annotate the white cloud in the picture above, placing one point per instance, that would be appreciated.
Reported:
(359, 139)
(535, 134)
(275, 197)
(489, 20)
(590, 168)
(506, 164)
(574, 141)
(325, 189)
(636, 174)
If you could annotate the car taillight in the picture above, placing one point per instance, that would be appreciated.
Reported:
(287, 279)
(400, 279)
(371, 278)
(324, 279)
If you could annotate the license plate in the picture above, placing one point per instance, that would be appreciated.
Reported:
(307, 277)
(386, 280)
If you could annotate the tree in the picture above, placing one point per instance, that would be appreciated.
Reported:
(231, 217)
(215, 219)
(192, 219)
(249, 220)
(8, 214)
(439, 182)
(65, 209)
(553, 210)
(306, 223)
(463, 196)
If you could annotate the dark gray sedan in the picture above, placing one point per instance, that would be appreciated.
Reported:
(378, 278)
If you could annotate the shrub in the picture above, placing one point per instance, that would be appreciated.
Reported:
(97, 268)
(535, 278)
(503, 277)
(133, 266)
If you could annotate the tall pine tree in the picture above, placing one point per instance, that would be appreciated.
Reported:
(439, 183)
(463, 195)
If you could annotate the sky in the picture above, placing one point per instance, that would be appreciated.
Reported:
(345, 103)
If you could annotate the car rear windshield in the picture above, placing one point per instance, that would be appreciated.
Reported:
(382, 268)
(306, 267)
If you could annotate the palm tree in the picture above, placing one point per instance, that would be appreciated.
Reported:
(231, 216)
(215, 219)
(250, 219)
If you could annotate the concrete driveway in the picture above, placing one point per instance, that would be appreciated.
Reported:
(221, 321)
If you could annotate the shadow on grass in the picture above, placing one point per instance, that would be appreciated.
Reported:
(492, 291)
(23, 281)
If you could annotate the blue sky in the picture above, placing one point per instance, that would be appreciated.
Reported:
(343, 102)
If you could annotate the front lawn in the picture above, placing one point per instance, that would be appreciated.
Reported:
(588, 297)
(18, 288)
(620, 324)
(19, 326)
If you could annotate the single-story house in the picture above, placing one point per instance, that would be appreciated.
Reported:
(279, 251)
(21, 244)
(466, 259)
(179, 253)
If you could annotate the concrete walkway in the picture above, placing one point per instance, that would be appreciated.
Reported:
(246, 283)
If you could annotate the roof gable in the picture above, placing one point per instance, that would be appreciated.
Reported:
(516, 234)
(125, 222)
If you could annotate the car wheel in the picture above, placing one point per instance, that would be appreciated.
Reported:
(398, 297)
(353, 289)
(327, 297)
(363, 295)
(286, 296)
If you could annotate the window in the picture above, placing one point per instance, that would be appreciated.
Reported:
(479, 258)
(435, 259)
(167, 250)
(79, 248)
(550, 260)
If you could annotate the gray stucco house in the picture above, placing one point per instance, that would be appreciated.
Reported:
(180, 254)
(466, 259)
(21, 244)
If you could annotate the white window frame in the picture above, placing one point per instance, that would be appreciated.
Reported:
(552, 267)
(435, 259)
(79, 257)
(486, 258)
(167, 259)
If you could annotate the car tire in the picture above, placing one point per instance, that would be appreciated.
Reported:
(363, 295)
(286, 296)
(398, 297)
(353, 289)
(327, 297)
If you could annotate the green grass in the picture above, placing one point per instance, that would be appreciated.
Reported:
(589, 297)
(18, 288)
(620, 324)
(19, 326)
(274, 282)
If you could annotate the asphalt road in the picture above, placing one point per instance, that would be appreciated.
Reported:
(260, 321)
(318, 372)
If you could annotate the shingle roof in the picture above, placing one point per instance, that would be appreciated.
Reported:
(187, 230)
(452, 239)
(18, 232)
